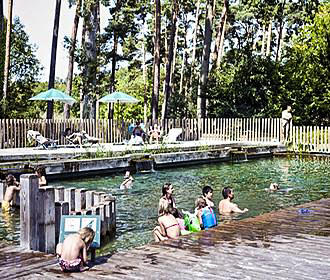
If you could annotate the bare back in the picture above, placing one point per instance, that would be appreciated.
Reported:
(73, 247)
(9, 194)
(169, 226)
(225, 206)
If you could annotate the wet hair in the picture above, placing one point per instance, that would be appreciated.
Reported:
(175, 212)
(206, 190)
(87, 235)
(226, 192)
(165, 188)
(200, 203)
(164, 207)
(11, 180)
(41, 171)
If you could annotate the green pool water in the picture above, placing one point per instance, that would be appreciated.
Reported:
(306, 181)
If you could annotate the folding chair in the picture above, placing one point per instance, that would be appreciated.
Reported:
(173, 135)
(87, 139)
(74, 139)
(41, 140)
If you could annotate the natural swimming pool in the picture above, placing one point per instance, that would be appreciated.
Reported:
(137, 208)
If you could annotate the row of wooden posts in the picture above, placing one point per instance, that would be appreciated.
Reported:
(41, 209)
(13, 132)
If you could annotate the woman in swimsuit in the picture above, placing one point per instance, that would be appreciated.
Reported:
(168, 226)
(167, 191)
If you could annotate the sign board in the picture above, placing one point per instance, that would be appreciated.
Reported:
(72, 224)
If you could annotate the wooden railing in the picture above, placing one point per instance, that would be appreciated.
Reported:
(13, 132)
(310, 139)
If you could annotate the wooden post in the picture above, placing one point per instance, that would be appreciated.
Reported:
(80, 199)
(61, 208)
(97, 198)
(59, 194)
(47, 224)
(28, 211)
(69, 196)
(2, 190)
(103, 220)
(89, 199)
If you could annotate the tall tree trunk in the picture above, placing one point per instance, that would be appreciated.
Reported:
(144, 65)
(1, 19)
(114, 61)
(83, 101)
(281, 44)
(194, 46)
(91, 57)
(280, 31)
(71, 57)
(269, 39)
(263, 39)
(7, 56)
(222, 42)
(184, 62)
(169, 62)
(201, 96)
(113, 73)
(220, 32)
(51, 81)
(156, 66)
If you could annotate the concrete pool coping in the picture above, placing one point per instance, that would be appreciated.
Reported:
(68, 162)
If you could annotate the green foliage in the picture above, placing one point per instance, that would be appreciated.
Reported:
(308, 72)
(24, 74)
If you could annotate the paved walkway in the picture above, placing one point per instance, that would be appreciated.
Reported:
(293, 243)
(69, 152)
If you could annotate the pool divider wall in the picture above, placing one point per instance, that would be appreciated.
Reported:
(42, 207)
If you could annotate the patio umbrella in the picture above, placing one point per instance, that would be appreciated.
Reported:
(118, 97)
(52, 95)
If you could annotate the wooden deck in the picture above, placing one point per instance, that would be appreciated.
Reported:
(286, 244)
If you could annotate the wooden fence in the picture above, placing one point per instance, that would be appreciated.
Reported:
(310, 139)
(13, 132)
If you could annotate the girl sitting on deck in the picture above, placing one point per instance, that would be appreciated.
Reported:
(73, 251)
(168, 226)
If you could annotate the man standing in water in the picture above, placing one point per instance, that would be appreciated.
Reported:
(226, 206)
(286, 121)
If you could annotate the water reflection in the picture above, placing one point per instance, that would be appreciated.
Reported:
(137, 207)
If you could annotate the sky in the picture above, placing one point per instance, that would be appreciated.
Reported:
(38, 18)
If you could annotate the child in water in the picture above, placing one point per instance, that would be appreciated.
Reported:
(128, 181)
(200, 204)
(12, 187)
(169, 227)
(40, 171)
(73, 251)
(207, 192)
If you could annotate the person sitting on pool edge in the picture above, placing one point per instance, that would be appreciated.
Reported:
(226, 206)
(73, 251)
(169, 227)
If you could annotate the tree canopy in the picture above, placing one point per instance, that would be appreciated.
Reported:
(247, 58)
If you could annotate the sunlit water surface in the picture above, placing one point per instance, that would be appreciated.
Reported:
(137, 208)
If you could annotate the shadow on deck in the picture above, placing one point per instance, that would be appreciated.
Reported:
(293, 243)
